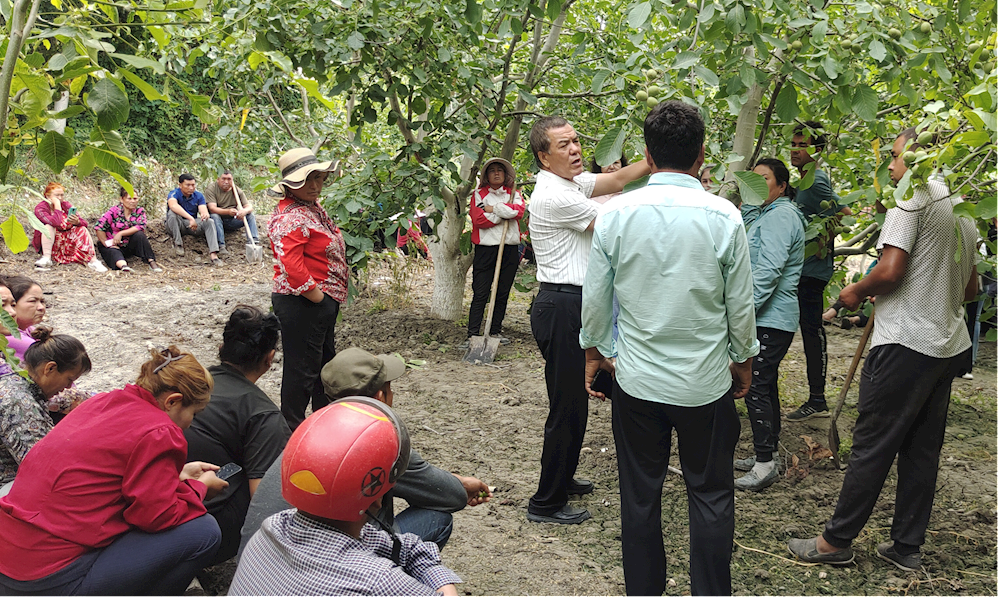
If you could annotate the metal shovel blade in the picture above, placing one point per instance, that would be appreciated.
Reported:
(482, 350)
(255, 253)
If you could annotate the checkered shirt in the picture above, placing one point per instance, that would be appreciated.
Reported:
(293, 554)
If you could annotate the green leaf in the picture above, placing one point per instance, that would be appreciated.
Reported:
(140, 62)
(109, 103)
(85, 163)
(69, 112)
(147, 90)
(38, 87)
(552, 9)
(33, 220)
(473, 12)
(787, 107)
(6, 320)
(639, 13)
(865, 103)
(807, 180)
(986, 209)
(598, 82)
(609, 148)
(753, 187)
(707, 75)
(736, 18)
(686, 60)
(54, 150)
(14, 236)
(7, 157)
(877, 50)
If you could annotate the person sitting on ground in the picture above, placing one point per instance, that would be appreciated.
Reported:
(105, 504)
(432, 494)
(187, 213)
(121, 233)
(492, 204)
(53, 363)
(66, 239)
(228, 213)
(777, 248)
(241, 424)
(323, 544)
(29, 310)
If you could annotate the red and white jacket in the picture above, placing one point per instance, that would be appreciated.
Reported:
(485, 229)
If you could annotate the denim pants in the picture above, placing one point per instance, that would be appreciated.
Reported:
(224, 224)
(429, 525)
(136, 563)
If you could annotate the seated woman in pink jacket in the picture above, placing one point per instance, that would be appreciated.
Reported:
(67, 239)
(104, 504)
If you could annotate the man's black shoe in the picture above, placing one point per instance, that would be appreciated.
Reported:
(565, 515)
(580, 487)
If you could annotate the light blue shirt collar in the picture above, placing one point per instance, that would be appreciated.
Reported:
(676, 179)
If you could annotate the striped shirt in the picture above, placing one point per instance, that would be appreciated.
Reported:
(560, 212)
(293, 554)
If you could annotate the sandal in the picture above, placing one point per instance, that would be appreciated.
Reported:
(126, 269)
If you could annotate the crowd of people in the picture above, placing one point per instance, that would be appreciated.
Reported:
(136, 490)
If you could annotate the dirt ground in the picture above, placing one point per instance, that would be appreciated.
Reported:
(487, 421)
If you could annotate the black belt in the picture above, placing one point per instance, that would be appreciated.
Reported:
(568, 288)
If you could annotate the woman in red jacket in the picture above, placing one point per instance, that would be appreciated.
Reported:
(492, 204)
(310, 280)
(104, 504)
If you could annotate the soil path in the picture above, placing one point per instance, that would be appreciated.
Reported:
(487, 421)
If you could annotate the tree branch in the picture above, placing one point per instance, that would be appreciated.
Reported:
(577, 95)
(767, 120)
(859, 236)
(284, 123)
(307, 113)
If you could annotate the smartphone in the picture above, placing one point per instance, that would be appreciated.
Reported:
(228, 471)
(602, 383)
(71, 212)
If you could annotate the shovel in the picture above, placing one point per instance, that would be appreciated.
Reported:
(483, 349)
(833, 437)
(255, 252)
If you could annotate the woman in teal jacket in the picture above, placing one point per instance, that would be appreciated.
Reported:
(777, 248)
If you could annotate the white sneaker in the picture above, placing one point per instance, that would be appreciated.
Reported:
(45, 261)
(967, 376)
(97, 266)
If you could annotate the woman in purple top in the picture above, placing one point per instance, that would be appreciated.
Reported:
(121, 234)
(29, 309)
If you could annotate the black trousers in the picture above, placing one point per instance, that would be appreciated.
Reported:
(555, 323)
(138, 245)
(706, 440)
(307, 341)
(763, 406)
(483, 264)
(813, 337)
(902, 409)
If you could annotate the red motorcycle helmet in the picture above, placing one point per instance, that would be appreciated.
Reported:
(343, 458)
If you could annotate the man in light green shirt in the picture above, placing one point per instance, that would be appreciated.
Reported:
(678, 260)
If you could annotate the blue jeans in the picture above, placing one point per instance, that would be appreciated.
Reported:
(225, 224)
(429, 525)
(136, 563)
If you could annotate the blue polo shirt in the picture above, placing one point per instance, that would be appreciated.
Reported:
(190, 204)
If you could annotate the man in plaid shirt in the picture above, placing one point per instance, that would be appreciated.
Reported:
(335, 470)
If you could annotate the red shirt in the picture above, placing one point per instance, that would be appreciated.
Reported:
(112, 465)
(308, 249)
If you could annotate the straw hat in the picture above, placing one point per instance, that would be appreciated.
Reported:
(508, 168)
(296, 165)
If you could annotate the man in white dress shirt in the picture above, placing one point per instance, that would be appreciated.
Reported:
(561, 226)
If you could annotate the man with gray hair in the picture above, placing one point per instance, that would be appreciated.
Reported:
(561, 225)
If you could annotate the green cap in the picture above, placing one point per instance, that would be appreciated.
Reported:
(355, 372)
